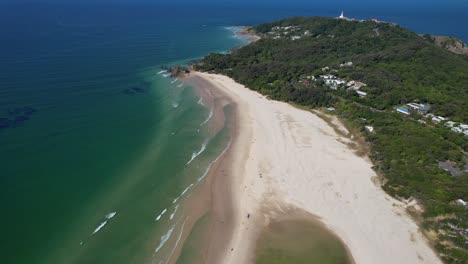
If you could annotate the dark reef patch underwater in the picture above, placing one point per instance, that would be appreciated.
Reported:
(16, 116)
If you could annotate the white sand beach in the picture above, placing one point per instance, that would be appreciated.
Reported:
(284, 157)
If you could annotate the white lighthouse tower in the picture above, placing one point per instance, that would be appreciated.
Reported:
(342, 15)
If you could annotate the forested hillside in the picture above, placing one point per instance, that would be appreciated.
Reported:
(366, 70)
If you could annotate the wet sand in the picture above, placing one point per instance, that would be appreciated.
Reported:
(282, 159)
(211, 201)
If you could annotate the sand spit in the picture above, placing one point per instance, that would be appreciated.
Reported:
(282, 158)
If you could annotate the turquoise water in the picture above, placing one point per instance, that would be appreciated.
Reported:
(102, 147)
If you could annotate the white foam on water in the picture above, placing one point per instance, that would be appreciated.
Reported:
(182, 194)
(200, 102)
(213, 162)
(167, 75)
(208, 118)
(110, 215)
(164, 238)
(173, 213)
(163, 71)
(174, 80)
(175, 105)
(161, 214)
(178, 240)
(196, 154)
(180, 85)
(186, 190)
(101, 225)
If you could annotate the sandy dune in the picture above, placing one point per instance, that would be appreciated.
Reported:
(286, 157)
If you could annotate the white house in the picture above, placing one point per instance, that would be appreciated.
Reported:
(370, 128)
(449, 123)
(361, 93)
(460, 202)
(347, 64)
(438, 119)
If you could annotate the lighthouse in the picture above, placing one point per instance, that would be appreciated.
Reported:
(342, 15)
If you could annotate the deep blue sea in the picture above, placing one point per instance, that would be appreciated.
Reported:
(95, 144)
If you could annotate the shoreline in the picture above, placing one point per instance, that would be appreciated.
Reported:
(212, 196)
(247, 34)
(295, 160)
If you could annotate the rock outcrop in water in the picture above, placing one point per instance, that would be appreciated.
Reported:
(176, 71)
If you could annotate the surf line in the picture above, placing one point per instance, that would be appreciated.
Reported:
(108, 217)
(196, 154)
(161, 214)
(178, 240)
(182, 194)
(214, 161)
(210, 115)
(165, 238)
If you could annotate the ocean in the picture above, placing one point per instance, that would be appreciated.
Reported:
(98, 147)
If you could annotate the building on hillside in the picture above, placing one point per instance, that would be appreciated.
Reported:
(347, 64)
(419, 108)
(361, 93)
(449, 167)
(449, 124)
(328, 76)
(355, 85)
(403, 110)
(437, 119)
(342, 15)
(331, 109)
(369, 128)
(460, 202)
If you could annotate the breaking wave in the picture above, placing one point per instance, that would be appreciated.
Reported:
(110, 215)
(164, 238)
(213, 162)
(182, 194)
(208, 118)
(173, 213)
(200, 102)
(161, 214)
(101, 225)
(196, 154)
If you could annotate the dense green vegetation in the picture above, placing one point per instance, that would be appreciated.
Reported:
(398, 67)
